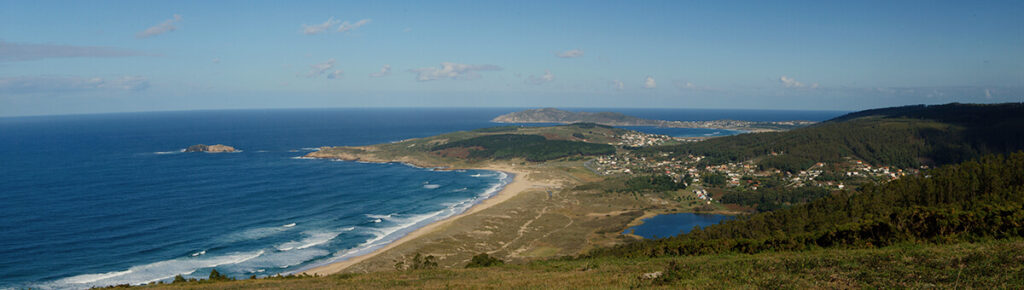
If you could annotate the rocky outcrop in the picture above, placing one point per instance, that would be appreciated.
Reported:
(219, 148)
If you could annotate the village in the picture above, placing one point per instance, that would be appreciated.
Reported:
(746, 175)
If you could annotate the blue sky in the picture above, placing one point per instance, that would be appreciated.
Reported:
(60, 57)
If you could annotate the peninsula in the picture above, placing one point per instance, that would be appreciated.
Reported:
(552, 115)
(542, 213)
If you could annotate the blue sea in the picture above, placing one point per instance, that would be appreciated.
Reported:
(105, 199)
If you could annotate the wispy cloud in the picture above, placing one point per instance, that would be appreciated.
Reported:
(318, 28)
(326, 67)
(10, 51)
(346, 27)
(573, 53)
(49, 84)
(163, 27)
(451, 70)
(384, 71)
(681, 84)
(539, 80)
(649, 83)
(618, 85)
(792, 83)
(323, 27)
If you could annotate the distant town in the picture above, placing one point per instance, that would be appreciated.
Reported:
(746, 175)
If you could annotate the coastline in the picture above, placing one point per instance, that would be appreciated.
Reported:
(518, 185)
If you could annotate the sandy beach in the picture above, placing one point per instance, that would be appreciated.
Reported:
(520, 183)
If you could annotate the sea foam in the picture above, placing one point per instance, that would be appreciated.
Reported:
(158, 271)
(380, 237)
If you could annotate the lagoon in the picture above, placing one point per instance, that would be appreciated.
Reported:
(668, 225)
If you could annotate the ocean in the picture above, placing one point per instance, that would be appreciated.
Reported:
(105, 199)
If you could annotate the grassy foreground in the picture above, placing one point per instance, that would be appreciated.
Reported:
(994, 264)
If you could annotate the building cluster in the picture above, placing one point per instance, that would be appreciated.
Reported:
(702, 194)
(744, 174)
(637, 139)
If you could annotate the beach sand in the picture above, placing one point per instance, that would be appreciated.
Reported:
(520, 183)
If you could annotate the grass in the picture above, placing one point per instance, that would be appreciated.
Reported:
(991, 264)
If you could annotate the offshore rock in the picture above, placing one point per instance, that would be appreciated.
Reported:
(219, 148)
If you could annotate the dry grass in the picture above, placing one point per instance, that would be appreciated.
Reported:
(976, 265)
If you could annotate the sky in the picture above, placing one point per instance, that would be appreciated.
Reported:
(72, 57)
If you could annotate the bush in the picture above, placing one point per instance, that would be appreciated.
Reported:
(217, 276)
(483, 260)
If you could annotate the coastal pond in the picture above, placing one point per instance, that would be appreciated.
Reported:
(667, 225)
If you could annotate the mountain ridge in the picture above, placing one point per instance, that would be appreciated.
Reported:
(554, 115)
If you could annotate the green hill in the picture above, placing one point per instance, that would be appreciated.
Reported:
(905, 137)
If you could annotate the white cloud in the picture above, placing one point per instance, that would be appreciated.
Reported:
(792, 83)
(384, 71)
(216, 60)
(346, 27)
(336, 74)
(546, 78)
(618, 85)
(324, 67)
(649, 83)
(318, 28)
(163, 27)
(570, 53)
(28, 84)
(12, 51)
(450, 70)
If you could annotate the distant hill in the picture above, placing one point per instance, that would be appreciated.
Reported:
(900, 136)
(552, 115)
(973, 114)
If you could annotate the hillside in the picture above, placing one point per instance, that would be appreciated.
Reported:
(972, 201)
(905, 137)
(961, 225)
(552, 115)
(981, 265)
